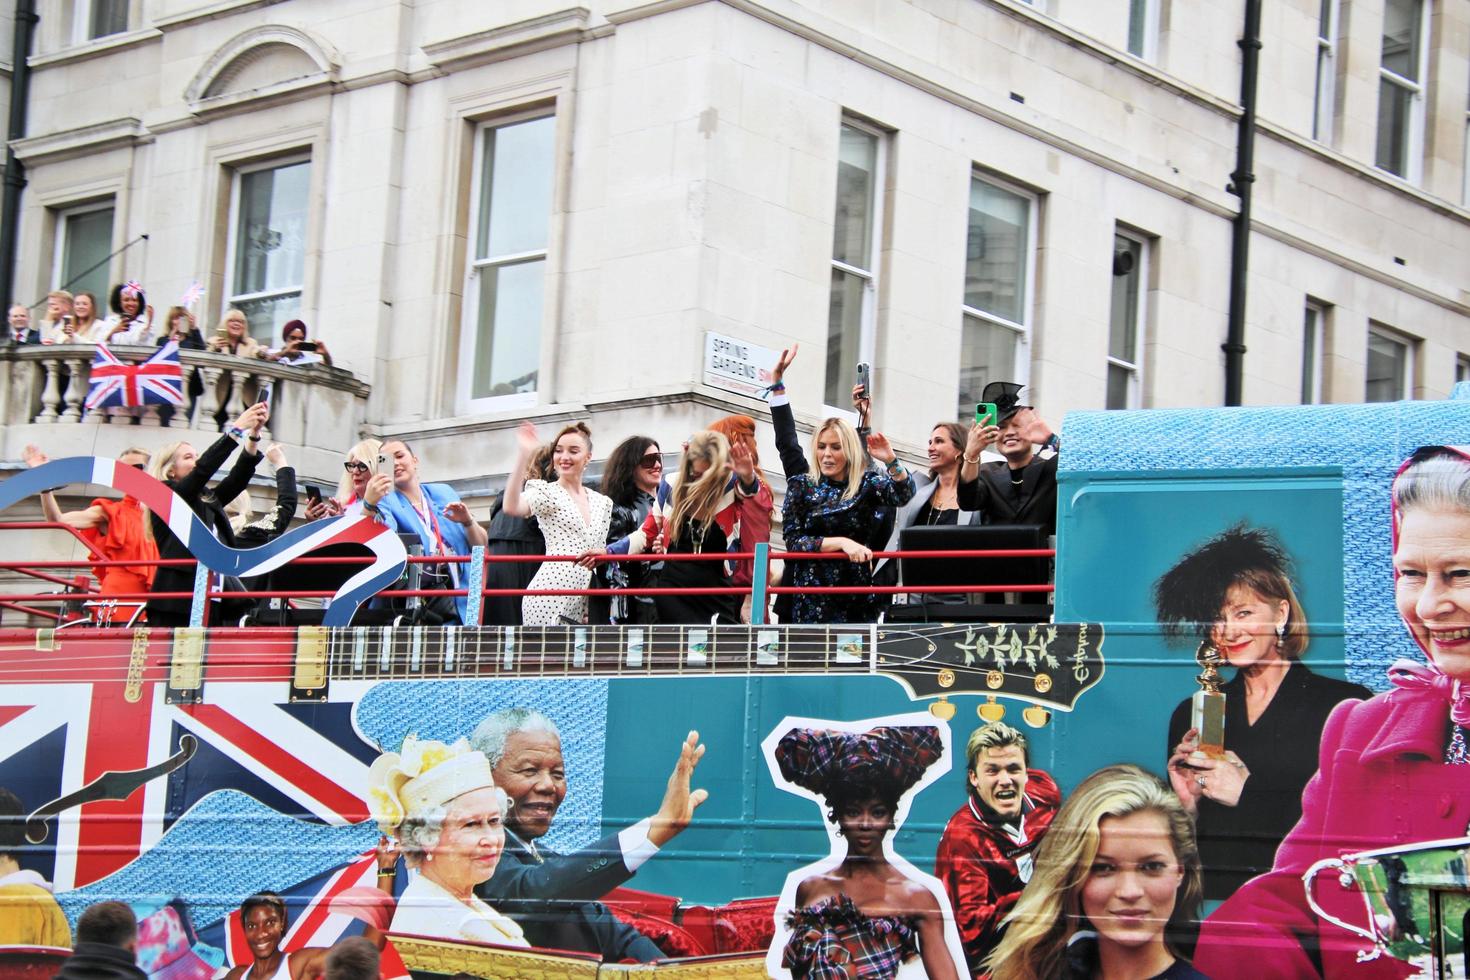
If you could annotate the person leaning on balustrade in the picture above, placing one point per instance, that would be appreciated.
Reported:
(86, 327)
(233, 336)
(113, 528)
(21, 333)
(132, 318)
(187, 474)
(58, 309)
(180, 327)
(293, 354)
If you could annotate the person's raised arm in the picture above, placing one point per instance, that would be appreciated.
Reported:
(91, 517)
(238, 479)
(793, 462)
(679, 802)
(527, 442)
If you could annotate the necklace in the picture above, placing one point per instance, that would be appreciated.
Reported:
(697, 531)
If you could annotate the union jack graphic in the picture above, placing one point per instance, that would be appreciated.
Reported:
(118, 384)
(100, 710)
(314, 921)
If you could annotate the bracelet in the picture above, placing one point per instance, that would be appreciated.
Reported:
(253, 437)
(894, 466)
(235, 432)
(387, 872)
(370, 508)
(967, 459)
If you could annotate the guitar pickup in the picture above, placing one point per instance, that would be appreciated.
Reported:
(309, 675)
(186, 667)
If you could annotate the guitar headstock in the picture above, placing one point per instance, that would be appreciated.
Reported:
(1045, 664)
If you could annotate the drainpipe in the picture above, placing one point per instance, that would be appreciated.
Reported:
(15, 180)
(1241, 182)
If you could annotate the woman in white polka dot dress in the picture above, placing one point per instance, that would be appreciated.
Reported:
(573, 520)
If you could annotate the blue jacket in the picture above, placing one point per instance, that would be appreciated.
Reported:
(400, 515)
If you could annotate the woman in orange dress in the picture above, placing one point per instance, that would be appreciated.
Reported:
(113, 528)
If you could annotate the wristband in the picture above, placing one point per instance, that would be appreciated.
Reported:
(387, 872)
(894, 466)
(253, 437)
(1053, 442)
(235, 432)
(370, 508)
(967, 459)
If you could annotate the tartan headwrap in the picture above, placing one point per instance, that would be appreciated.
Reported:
(821, 759)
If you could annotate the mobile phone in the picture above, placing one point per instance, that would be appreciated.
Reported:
(985, 413)
(865, 378)
(313, 494)
(307, 345)
(266, 391)
(382, 466)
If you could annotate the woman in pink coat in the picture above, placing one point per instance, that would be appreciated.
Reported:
(1392, 770)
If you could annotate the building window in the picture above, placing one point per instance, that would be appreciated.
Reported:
(1400, 88)
(1143, 28)
(1130, 261)
(999, 263)
(1462, 368)
(1322, 106)
(267, 248)
(1314, 347)
(83, 246)
(99, 18)
(852, 309)
(1465, 175)
(1390, 365)
(505, 295)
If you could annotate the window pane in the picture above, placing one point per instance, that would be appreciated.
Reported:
(270, 238)
(1401, 21)
(1394, 105)
(515, 191)
(108, 17)
(268, 315)
(1123, 323)
(1388, 365)
(1324, 20)
(1321, 104)
(987, 353)
(1311, 356)
(995, 252)
(508, 351)
(1137, 26)
(857, 165)
(1462, 368)
(1120, 385)
(88, 239)
(844, 331)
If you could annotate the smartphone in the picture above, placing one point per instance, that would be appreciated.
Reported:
(865, 378)
(313, 494)
(266, 391)
(307, 345)
(985, 413)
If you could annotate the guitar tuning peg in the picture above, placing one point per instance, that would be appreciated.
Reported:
(942, 709)
(1036, 716)
(991, 711)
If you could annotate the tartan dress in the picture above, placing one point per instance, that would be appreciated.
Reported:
(833, 940)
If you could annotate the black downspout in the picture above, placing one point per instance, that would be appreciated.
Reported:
(1241, 182)
(15, 178)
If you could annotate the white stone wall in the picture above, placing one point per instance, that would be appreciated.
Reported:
(694, 186)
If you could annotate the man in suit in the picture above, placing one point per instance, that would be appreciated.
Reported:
(1022, 489)
(553, 896)
(21, 331)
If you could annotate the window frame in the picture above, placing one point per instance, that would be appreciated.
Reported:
(82, 24)
(473, 269)
(1410, 345)
(1136, 367)
(1315, 327)
(1462, 368)
(868, 318)
(58, 250)
(230, 298)
(1413, 148)
(1150, 30)
(1020, 371)
(1324, 106)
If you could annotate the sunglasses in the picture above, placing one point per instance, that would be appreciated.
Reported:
(651, 462)
(354, 467)
(139, 466)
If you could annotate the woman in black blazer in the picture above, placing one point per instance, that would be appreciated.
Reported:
(187, 474)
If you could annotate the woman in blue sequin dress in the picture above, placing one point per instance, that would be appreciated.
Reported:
(833, 511)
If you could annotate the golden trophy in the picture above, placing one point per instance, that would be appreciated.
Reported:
(1207, 705)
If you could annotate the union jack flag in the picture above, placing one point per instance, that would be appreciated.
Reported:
(68, 718)
(313, 920)
(118, 384)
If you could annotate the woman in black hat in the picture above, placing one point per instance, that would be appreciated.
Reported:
(864, 917)
(1234, 593)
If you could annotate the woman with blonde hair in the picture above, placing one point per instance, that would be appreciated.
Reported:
(1116, 890)
(187, 473)
(357, 470)
(835, 511)
(716, 496)
(573, 520)
(234, 336)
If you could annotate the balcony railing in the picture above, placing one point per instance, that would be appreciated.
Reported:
(47, 385)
